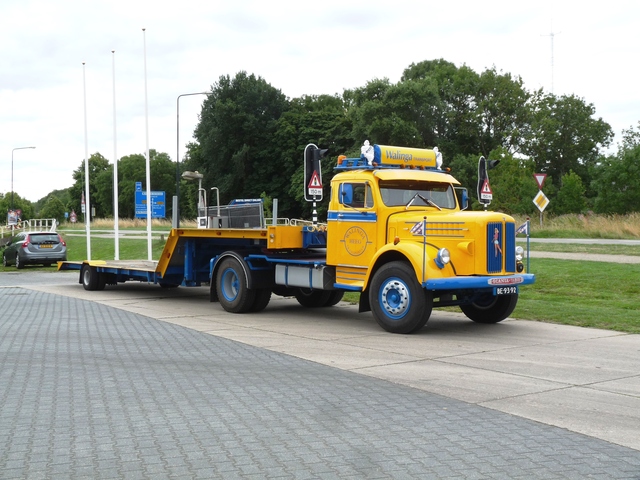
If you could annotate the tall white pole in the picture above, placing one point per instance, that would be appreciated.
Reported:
(87, 208)
(148, 165)
(115, 166)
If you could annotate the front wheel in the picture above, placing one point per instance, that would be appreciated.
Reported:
(398, 302)
(4, 260)
(490, 308)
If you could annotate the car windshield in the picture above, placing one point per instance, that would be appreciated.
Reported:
(397, 193)
(44, 238)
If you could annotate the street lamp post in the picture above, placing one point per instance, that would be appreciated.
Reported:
(18, 148)
(176, 208)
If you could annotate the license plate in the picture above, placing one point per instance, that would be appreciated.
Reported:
(505, 290)
(46, 246)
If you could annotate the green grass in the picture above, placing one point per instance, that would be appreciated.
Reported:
(583, 248)
(585, 294)
(104, 248)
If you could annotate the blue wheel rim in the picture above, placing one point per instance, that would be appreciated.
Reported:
(230, 285)
(394, 298)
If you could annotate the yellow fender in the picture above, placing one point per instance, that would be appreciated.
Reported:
(414, 253)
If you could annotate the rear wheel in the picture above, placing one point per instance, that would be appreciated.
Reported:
(312, 298)
(19, 263)
(334, 297)
(232, 287)
(398, 302)
(90, 278)
(263, 296)
(490, 308)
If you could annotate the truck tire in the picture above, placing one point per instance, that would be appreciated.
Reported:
(491, 308)
(232, 287)
(263, 296)
(312, 298)
(398, 302)
(89, 278)
(334, 297)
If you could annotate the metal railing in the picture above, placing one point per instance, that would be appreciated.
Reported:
(33, 225)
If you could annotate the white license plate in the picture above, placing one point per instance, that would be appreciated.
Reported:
(505, 290)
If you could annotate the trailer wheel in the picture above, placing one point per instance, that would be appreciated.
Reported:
(491, 308)
(89, 278)
(398, 302)
(231, 284)
(312, 298)
(263, 296)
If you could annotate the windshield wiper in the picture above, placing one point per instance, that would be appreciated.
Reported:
(427, 201)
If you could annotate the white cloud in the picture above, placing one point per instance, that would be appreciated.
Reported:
(298, 47)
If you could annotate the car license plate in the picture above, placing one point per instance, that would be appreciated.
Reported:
(46, 246)
(505, 290)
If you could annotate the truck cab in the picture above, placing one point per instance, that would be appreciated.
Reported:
(401, 209)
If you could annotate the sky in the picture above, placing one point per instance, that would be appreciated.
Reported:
(61, 62)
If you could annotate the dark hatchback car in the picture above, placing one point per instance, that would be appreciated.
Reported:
(34, 248)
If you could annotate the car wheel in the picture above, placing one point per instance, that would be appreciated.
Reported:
(4, 260)
(19, 264)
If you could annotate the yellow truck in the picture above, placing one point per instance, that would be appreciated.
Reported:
(396, 232)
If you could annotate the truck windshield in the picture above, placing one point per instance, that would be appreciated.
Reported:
(397, 193)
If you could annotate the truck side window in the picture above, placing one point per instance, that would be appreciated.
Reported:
(356, 195)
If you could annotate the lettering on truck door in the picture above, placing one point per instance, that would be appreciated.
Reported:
(352, 229)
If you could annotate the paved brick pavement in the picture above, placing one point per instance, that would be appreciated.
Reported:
(90, 391)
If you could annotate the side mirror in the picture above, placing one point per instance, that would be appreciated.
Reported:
(463, 197)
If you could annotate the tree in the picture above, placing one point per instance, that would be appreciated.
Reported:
(97, 164)
(564, 136)
(616, 178)
(53, 208)
(235, 136)
(321, 120)
(571, 196)
(19, 203)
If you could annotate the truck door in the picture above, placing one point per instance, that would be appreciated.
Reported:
(352, 226)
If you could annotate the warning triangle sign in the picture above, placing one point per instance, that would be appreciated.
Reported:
(315, 181)
(485, 191)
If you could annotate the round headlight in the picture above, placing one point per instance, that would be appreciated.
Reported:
(443, 257)
(519, 253)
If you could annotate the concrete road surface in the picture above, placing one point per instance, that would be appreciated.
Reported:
(583, 380)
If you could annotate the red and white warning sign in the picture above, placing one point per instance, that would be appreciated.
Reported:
(540, 178)
(315, 187)
(485, 191)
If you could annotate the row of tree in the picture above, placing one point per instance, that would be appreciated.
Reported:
(250, 139)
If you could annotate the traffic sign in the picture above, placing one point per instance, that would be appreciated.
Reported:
(315, 186)
(541, 201)
(540, 178)
(485, 191)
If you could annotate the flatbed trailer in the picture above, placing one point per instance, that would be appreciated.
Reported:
(190, 254)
